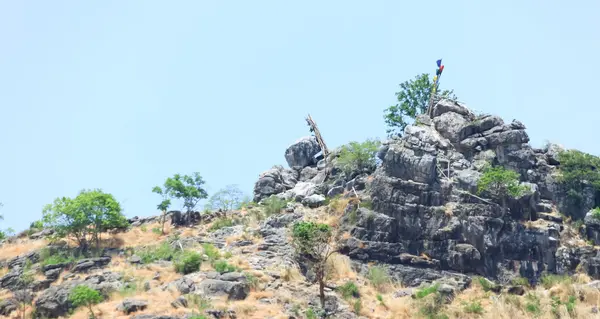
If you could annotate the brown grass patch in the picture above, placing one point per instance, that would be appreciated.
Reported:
(159, 303)
(339, 267)
(12, 250)
(136, 236)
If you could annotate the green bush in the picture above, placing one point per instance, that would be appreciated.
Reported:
(426, 291)
(348, 290)
(164, 251)
(551, 280)
(221, 266)
(211, 251)
(533, 304)
(485, 284)
(357, 306)
(576, 169)
(52, 257)
(310, 314)
(354, 157)
(273, 205)
(378, 276)
(596, 213)
(220, 223)
(520, 281)
(473, 307)
(85, 296)
(188, 262)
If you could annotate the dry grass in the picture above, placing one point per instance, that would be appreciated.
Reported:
(159, 303)
(8, 251)
(339, 267)
(291, 274)
(136, 236)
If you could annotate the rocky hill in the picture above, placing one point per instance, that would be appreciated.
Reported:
(414, 238)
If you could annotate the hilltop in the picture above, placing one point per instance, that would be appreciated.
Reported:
(417, 229)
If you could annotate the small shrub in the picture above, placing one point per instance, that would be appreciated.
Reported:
(532, 304)
(353, 216)
(85, 296)
(128, 289)
(349, 290)
(228, 255)
(596, 213)
(520, 281)
(220, 223)
(310, 314)
(251, 280)
(426, 291)
(273, 205)
(211, 251)
(485, 284)
(551, 280)
(357, 306)
(144, 228)
(164, 251)
(378, 277)
(473, 307)
(380, 299)
(355, 157)
(188, 263)
(157, 231)
(221, 266)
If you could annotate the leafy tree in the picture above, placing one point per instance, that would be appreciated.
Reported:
(84, 217)
(314, 241)
(578, 169)
(186, 188)
(85, 296)
(413, 100)
(501, 183)
(227, 199)
(354, 157)
(163, 206)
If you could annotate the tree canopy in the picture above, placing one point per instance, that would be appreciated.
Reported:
(84, 217)
(355, 156)
(184, 187)
(227, 199)
(576, 170)
(413, 99)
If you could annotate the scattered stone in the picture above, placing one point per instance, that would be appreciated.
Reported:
(132, 305)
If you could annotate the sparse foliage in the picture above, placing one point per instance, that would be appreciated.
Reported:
(227, 199)
(500, 183)
(273, 205)
(187, 188)
(356, 157)
(313, 240)
(412, 100)
(576, 170)
(84, 217)
(164, 205)
(188, 262)
(85, 296)
(24, 298)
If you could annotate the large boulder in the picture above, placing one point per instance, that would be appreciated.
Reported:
(233, 290)
(274, 181)
(302, 153)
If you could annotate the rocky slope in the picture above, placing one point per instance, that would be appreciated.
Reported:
(407, 224)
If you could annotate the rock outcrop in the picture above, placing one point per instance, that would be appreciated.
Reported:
(427, 221)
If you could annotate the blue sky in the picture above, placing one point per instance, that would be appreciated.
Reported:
(119, 95)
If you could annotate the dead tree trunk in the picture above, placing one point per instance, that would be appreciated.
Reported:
(315, 129)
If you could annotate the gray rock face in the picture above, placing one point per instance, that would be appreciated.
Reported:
(302, 153)
(85, 265)
(233, 290)
(274, 181)
(314, 201)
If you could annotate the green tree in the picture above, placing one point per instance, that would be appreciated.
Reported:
(227, 199)
(578, 169)
(355, 156)
(85, 296)
(314, 241)
(163, 206)
(85, 217)
(500, 184)
(187, 188)
(413, 99)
